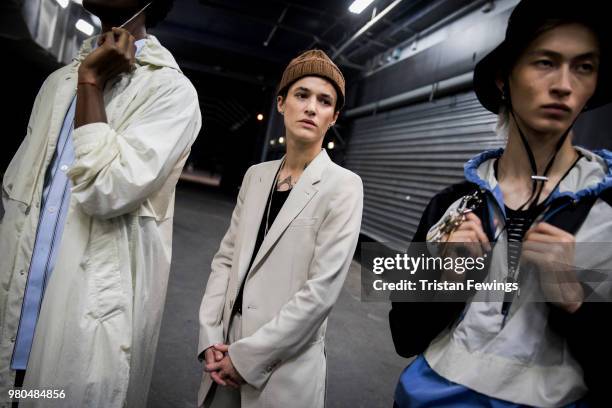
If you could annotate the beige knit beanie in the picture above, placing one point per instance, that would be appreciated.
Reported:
(317, 63)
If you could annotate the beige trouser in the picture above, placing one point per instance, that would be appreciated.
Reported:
(226, 397)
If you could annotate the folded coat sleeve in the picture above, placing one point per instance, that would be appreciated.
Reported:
(211, 308)
(115, 171)
(256, 356)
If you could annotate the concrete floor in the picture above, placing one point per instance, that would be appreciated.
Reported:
(362, 365)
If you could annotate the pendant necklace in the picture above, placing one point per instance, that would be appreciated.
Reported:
(271, 196)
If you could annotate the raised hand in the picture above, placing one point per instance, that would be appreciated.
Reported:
(551, 250)
(115, 54)
(468, 239)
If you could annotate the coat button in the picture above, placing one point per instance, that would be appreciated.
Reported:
(12, 339)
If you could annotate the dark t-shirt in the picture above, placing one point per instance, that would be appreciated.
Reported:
(517, 224)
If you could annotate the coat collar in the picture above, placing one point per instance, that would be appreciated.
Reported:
(591, 175)
(152, 53)
(300, 196)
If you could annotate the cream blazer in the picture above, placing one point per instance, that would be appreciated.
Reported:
(291, 287)
(99, 321)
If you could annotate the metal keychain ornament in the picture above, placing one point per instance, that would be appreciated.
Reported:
(456, 217)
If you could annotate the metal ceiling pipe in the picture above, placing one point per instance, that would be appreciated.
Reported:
(280, 20)
(404, 25)
(429, 8)
(365, 28)
(449, 19)
(428, 91)
(446, 21)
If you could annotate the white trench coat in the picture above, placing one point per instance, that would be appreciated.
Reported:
(98, 326)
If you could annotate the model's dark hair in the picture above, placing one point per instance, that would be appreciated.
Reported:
(285, 91)
(157, 11)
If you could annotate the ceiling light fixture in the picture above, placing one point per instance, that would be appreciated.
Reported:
(359, 5)
(84, 27)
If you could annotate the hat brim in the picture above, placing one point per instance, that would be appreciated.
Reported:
(485, 78)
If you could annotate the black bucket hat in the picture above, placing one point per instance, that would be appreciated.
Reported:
(525, 24)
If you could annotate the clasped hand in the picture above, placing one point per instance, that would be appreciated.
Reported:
(220, 367)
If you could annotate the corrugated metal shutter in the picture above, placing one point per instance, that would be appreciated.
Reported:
(406, 155)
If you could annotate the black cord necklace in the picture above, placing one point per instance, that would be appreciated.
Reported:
(537, 181)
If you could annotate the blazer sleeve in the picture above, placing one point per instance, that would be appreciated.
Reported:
(213, 301)
(256, 356)
(115, 171)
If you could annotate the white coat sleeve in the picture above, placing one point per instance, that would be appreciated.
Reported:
(213, 301)
(114, 172)
(256, 356)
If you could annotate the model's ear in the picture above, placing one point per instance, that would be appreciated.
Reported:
(504, 89)
(500, 85)
(280, 104)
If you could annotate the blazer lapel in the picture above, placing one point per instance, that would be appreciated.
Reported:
(301, 195)
(253, 212)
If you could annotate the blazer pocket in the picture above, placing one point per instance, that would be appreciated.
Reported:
(303, 222)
